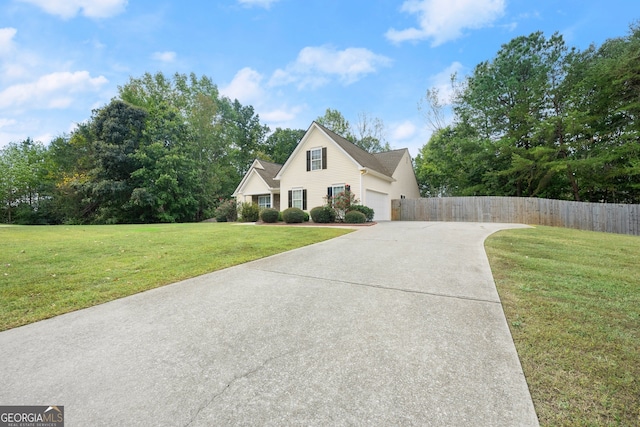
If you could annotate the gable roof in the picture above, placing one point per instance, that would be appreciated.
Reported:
(383, 164)
(265, 170)
(268, 172)
(390, 159)
(362, 157)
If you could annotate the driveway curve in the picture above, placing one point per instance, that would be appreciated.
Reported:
(395, 324)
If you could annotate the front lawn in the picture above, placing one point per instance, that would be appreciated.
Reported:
(49, 270)
(572, 301)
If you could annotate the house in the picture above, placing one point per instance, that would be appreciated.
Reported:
(324, 164)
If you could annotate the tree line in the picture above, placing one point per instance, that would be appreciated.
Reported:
(166, 149)
(541, 119)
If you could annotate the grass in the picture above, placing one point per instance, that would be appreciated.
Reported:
(49, 270)
(572, 300)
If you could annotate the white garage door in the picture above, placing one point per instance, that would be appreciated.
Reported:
(380, 204)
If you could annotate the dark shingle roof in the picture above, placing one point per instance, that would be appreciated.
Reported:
(390, 159)
(269, 172)
(384, 163)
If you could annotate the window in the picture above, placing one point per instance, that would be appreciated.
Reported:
(264, 202)
(298, 199)
(336, 189)
(317, 159)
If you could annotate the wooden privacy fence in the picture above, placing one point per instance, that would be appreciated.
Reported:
(607, 217)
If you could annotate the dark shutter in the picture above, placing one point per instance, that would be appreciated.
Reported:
(324, 157)
(308, 160)
(329, 192)
(290, 197)
(304, 200)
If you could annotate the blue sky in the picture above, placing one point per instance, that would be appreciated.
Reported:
(290, 59)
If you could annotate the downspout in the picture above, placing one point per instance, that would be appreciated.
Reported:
(362, 196)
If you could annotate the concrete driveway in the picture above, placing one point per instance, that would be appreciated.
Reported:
(396, 324)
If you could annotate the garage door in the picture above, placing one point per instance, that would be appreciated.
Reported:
(380, 204)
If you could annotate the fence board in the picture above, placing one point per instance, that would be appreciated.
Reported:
(611, 218)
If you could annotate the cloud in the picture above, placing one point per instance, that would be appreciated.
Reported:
(442, 82)
(6, 39)
(245, 86)
(164, 56)
(50, 91)
(403, 130)
(443, 20)
(316, 66)
(258, 3)
(90, 8)
(6, 122)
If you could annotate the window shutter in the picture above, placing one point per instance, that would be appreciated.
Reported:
(290, 197)
(324, 157)
(308, 160)
(329, 192)
(304, 200)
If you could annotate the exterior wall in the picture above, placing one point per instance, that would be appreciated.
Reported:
(406, 183)
(252, 187)
(341, 169)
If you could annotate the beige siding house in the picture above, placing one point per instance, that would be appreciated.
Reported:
(325, 163)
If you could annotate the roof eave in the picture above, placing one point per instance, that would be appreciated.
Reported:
(369, 171)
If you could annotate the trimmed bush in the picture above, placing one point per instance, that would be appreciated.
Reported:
(270, 215)
(355, 217)
(227, 211)
(280, 219)
(323, 214)
(293, 215)
(366, 210)
(306, 216)
(249, 212)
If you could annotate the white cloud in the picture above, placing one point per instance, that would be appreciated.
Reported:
(89, 8)
(444, 20)
(442, 82)
(315, 66)
(6, 39)
(50, 91)
(245, 86)
(6, 122)
(282, 114)
(167, 56)
(259, 3)
(403, 130)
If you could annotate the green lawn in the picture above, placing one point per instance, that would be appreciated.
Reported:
(572, 300)
(49, 270)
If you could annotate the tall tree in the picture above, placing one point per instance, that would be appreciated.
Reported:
(119, 131)
(281, 143)
(335, 122)
(22, 174)
(371, 134)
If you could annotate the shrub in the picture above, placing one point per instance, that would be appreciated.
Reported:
(306, 216)
(366, 210)
(280, 216)
(354, 217)
(323, 214)
(293, 215)
(249, 212)
(342, 202)
(270, 215)
(227, 211)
